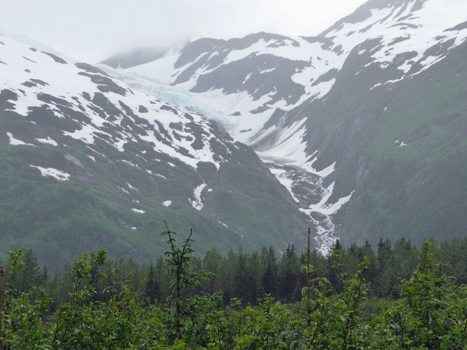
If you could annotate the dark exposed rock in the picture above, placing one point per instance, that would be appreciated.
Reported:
(460, 26)
(440, 48)
(55, 58)
(327, 43)
(275, 119)
(196, 48)
(28, 84)
(406, 25)
(5, 96)
(398, 40)
(328, 76)
(29, 60)
(105, 84)
(86, 96)
(53, 100)
(168, 108)
(91, 69)
(109, 109)
(231, 78)
(34, 82)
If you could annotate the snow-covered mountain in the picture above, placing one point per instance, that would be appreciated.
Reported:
(253, 78)
(87, 162)
(290, 98)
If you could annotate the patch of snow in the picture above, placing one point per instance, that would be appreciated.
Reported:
(16, 142)
(267, 70)
(133, 188)
(129, 163)
(281, 175)
(57, 174)
(85, 134)
(246, 78)
(326, 171)
(196, 202)
(124, 190)
(48, 140)
(167, 203)
(139, 211)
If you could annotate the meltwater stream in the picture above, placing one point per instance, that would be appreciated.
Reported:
(307, 189)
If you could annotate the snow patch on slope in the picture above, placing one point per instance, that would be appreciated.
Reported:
(55, 173)
(167, 203)
(196, 202)
(16, 142)
(48, 140)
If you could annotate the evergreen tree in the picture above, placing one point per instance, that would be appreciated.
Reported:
(384, 283)
(269, 277)
(152, 291)
(31, 275)
(289, 268)
(370, 274)
(245, 282)
(228, 276)
(335, 273)
(212, 263)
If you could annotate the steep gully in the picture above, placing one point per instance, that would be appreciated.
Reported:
(293, 167)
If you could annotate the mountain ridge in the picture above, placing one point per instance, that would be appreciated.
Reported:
(88, 162)
(300, 132)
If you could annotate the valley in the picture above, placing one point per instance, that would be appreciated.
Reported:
(304, 103)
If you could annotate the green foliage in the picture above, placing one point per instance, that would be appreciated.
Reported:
(179, 265)
(431, 314)
(106, 309)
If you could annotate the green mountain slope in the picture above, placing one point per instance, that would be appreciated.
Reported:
(88, 163)
(245, 207)
(403, 147)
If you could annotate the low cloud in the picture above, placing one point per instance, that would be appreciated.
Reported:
(91, 30)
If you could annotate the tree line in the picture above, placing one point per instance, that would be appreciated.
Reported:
(398, 296)
(249, 276)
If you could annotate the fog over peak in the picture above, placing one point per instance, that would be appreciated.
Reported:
(93, 30)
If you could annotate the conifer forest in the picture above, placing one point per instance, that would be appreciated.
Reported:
(399, 297)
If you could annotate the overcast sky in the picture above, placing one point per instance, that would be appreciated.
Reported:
(92, 30)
